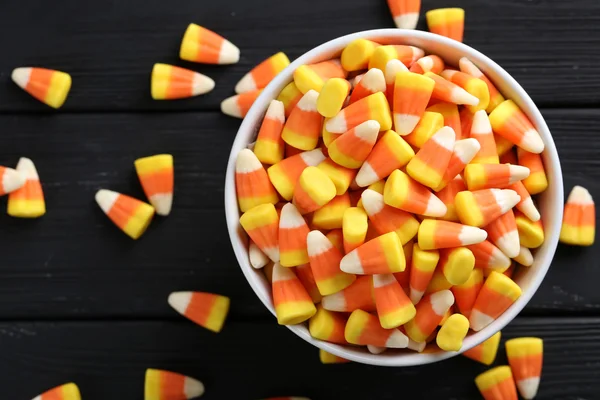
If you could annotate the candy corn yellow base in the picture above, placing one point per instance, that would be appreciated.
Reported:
(577, 235)
(59, 89)
(306, 79)
(268, 152)
(492, 377)
(299, 141)
(218, 314)
(467, 209)
(26, 208)
(139, 222)
(400, 317)
(423, 173)
(292, 313)
(293, 258)
(335, 284)
(149, 165)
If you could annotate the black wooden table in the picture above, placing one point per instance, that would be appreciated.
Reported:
(80, 301)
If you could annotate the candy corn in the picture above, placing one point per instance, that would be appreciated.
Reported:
(357, 53)
(48, 86)
(351, 149)
(402, 192)
(156, 176)
(430, 123)
(292, 303)
(449, 22)
(503, 233)
(430, 63)
(374, 107)
(327, 325)
(383, 54)
(167, 385)
(269, 147)
(423, 265)
(292, 237)
(579, 220)
(472, 85)
(261, 223)
(447, 195)
(290, 96)
(485, 352)
(466, 293)
(436, 234)
(325, 264)
(363, 328)
(488, 176)
(536, 182)
(381, 255)
(359, 295)
(451, 117)
(430, 163)
(341, 177)
(303, 127)
(251, 181)
(497, 384)
(509, 121)
(313, 76)
(497, 294)
(285, 174)
(463, 152)
(496, 97)
(449, 92)
(389, 153)
(531, 234)
(405, 13)
(325, 358)
(205, 309)
(306, 277)
(392, 68)
(456, 264)
(482, 131)
(68, 391)
(411, 95)
(314, 190)
(525, 258)
(331, 215)
(130, 215)
(452, 333)
(237, 106)
(332, 96)
(11, 180)
(258, 259)
(171, 82)
(481, 207)
(525, 356)
(205, 46)
(430, 311)
(263, 73)
(526, 205)
(375, 349)
(393, 306)
(354, 228)
(388, 219)
(28, 200)
(372, 82)
(489, 257)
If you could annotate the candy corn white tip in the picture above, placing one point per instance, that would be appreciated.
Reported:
(180, 301)
(317, 243)
(524, 257)
(530, 210)
(230, 54)
(247, 162)
(106, 199)
(461, 96)
(26, 167)
(481, 123)
(192, 388)
(580, 195)
(391, 70)
(372, 201)
(509, 244)
(466, 149)
(518, 173)
(506, 198)
(230, 107)
(468, 67)
(334, 302)
(12, 180)
(202, 84)
(532, 142)
(162, 203)
(471, 235)
(20, 76)
(337, 124)
(290, 217)
(397, 340)
(528, 387)
(415, 295)
(246, 84)
(366, 175)
(478, 320)
(276, 111)
(416, 346)
(351, 263)
(308, 102)
(435, 207)
(258, 259)
(375, 349)
(441, 301)
(373, 80)
(445, 137)
(405, 123)
(368, 131)
(407, 21)
(313, 158)
(499, 260)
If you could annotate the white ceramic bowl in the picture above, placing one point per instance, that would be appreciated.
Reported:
(550, 202)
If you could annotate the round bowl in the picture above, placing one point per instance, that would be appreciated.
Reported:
(550, 202)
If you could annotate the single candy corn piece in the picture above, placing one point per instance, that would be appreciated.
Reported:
(466, 293)
(449, 22)
(389, 153)
(526, 205)
(430, 311)
(325, 264)
(579, 220)
(170, 82)
(498, 293)
(536, 182)
(453, 331)
(166, 385)
(447, 195)
(28, 200)
(48, 86)
(263, 73)
(340, 176)
(261, 223)
(504, 234)
(313, 191)
(11, 180)
(429, 124)
(130, 215)
(402, 192)
(488, 176)
(430, 163)
(411, 95)
(292, 237)
(392, 68)
(357, 53)
(430, 63)
(525, 356)
(489, 257)
(327, 325)
(393, 306)
(313, 76)
(423, 265)
(381, 255)
(303, 127)
(509, 121)
(325, 358)
(359, 295)
(306, 277)
(451, 117)
(270, 147)
(486, 351)
(524, 258)
(258, 259)
(332, 96)
(292, 303)
(67, 391)
(481, 207)
(482, 131)
(497, 384)
(285, 174)
(205, 46)
(351, 149)
(252, 183)
(449, 92)
(387, 219)
(290, 95)
(456, 264)
(436, 234)
(496, 97)
(503, 146)
(374, 107)
(405, 12)
(205, 309)
(406, 54)
(531, 234)
(373, 81)
(472, 85)
(331, 215)
(363, 328)
(156, 176)
(355, 225)
(237, 106)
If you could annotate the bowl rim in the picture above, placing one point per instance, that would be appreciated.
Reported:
(334, 46)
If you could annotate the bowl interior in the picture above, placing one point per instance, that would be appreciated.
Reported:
(550, 202)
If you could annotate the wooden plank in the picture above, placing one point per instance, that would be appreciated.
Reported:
(110, 49)
(73, 262)
(107, 359)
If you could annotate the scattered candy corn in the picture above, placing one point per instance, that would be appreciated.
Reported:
(130, 215)
(167, 385)
(405, 12)
(48, 86)
(263, 73)
(452, 333)
(485, 352)
(156, 176)
(28, 200)
(449, 22)
(170, 82)
(205, 309)
(237, 106)
(525, 356)
(579, 220)
(497, 294)
(67, 391)
(497, 384)
(202, 45)
(292, 303)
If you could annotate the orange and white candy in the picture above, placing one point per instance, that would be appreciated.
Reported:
(11, 180)
(359, 295)
(292, 303)
(444, 90)
(497, 384)
(509, 121)
(314, 76)
(525, 257)
(48, 86)
(131, 215)
(579, 219)
(284, 175)
(437, 234)
(156, 176)
(204, 46)
(252, 183)
(325, 264)
(504, 234)
(381, 255)
(489, 257)
(485, 352)
(411, 96)
(406, 54)
(466, 293)
(526, 205)
(166, 385)
(423, 264)
(357, 53)
(303, 127)
(352, 148)
(292, 237)
(462, 153)
(496, 97)
(373, 107)
(449, 22)
(237, 106)
(313, 191)
(170, 82)
(67, 391)
(451, 117)
(394, 308)
(405, 13)
(363, 328)
(327, 325)
(371, 82)
(489, 176)
(537, 181)
(403, 192)
(429, 165)
(498, 293)
(525, 357)
(472, 85)
(481, 129)
(386, 219)
(481, 207)
(270, 147)
(260, 76)
(261, 223)
(430, 311)
(392, 68)
(205, 309)
(430, 63)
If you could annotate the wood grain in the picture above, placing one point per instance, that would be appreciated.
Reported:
(109, 48)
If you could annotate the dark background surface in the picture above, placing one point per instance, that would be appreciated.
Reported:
(80, 301)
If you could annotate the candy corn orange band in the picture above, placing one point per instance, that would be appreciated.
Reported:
(306, 277)
(359, 295)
